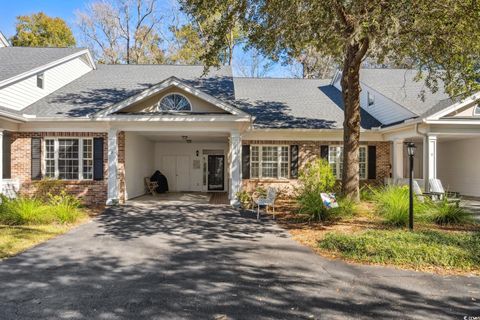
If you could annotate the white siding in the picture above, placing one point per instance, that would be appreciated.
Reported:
(139, 159)
(23, 93)
(457, 166)
(384, 109)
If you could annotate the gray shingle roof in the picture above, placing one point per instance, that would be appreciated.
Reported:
(399, 85)
(110, 84)
(17, 60)
(294, 103)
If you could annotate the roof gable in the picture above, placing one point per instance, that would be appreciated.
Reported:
(165, 85)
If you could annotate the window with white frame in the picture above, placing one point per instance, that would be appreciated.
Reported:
(269, 162)
(69, 158)
(335, 158)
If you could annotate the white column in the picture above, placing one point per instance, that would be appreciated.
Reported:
(235, 166)
(112, 167)
(429, 159)
(397, 157)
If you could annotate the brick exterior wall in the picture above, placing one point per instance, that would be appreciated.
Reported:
(310, 150)
(89, 191)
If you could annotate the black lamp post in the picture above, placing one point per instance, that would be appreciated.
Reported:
(411, 154)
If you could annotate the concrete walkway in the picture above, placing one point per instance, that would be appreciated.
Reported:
(210, 262)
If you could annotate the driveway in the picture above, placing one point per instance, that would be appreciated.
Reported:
(210, 262)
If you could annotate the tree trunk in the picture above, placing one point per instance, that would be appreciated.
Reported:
(351, 126)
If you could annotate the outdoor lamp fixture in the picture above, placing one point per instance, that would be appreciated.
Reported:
(411, 154)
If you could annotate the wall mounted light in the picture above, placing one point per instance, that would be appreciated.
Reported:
(197, 153)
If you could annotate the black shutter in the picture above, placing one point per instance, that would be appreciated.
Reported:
(7, 155)
(97, 158)
(36, 160)
(294, 161)
(324, 152)
(246, 162)
(372, 162)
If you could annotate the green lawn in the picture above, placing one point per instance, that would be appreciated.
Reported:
(15, 239)
(428, 249)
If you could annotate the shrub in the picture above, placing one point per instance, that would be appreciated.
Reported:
(45, 187)
(316, 177)
(366, 193)
(392, 204)
(61, 208)
(245, 199)
(443, 212)
(23, 211)
(346, 208)
(66, 208)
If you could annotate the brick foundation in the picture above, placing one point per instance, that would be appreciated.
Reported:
(310, 150)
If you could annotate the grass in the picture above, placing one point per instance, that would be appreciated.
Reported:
(421, 250)
(15, 239)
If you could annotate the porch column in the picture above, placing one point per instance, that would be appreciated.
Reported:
(397, 163)
(429, 159)
(112, 181)
(235, 166)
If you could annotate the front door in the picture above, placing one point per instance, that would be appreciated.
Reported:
(216, 165)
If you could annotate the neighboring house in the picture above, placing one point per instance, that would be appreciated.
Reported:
(103, 128)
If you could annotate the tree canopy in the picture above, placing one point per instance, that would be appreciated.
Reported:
(441, 39)
(40, 30)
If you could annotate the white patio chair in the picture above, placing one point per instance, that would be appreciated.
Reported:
(437, 189)
(269, 200)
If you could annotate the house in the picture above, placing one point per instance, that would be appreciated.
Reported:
(102, 128)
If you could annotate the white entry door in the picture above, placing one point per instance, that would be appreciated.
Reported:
(177, 171)
(183, 173)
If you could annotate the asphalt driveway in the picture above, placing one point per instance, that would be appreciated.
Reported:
(210, 262)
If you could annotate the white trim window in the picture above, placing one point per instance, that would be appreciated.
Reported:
(269, 162)
(335, 158)
(175, 102)
(68, 158)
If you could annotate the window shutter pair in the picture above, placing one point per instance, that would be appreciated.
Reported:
(372, 159)
(246, 161)
(36, 158)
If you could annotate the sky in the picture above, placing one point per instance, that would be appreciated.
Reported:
(65, 9)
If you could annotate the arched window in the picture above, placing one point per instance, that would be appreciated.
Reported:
(174, 102)
(476, 111)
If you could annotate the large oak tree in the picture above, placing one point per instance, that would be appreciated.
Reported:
(439, 38)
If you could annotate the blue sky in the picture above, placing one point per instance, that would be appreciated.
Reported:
(10, 9)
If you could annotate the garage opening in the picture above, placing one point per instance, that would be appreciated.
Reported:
(195, 165)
